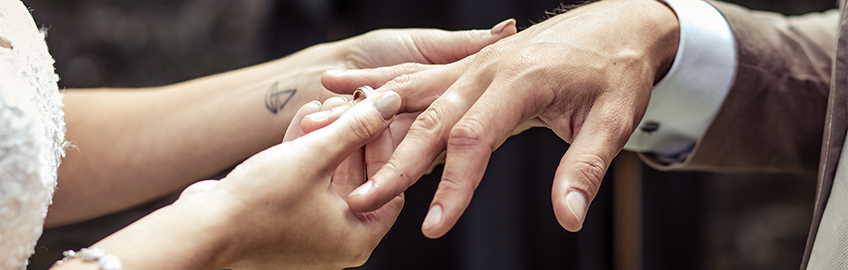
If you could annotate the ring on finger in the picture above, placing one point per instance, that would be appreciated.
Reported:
(362, 93)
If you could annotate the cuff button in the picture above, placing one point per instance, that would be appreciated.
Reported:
(650, 127)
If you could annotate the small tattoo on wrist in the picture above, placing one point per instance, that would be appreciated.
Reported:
(276, 99)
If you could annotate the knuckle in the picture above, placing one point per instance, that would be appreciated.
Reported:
(490, 52)
(452, 189)
(407, 68)
(402, 82)
(468, 35)
(361, 127)
(473, 40)
(524, 62)
(592, 167)
(428, 121)
(467, 133)
(375, 164)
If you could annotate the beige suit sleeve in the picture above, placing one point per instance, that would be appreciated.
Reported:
(773, 116)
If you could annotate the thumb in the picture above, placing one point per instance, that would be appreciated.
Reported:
(442, 47)
(361, 124)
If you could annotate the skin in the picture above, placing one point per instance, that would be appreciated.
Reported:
(283, 208)
(130, 146)
(586, 74)
(5, 44)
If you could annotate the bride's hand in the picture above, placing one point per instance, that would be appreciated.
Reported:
(288, 202)
(388, 47)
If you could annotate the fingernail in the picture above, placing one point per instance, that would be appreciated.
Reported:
(315, 106)
(577, 204)
(434, 216)
(387, 104)
(363, 189)
(499, 28)
(319, 115)
(338, 101)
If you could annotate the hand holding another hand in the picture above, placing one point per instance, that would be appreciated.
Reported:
(281, 208)
(586, 74)
(285, 206)
(293, 195)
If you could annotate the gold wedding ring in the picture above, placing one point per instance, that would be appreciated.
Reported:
(362, 93)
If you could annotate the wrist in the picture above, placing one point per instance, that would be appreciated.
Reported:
(664, 30)
(306, 67)
(189, 234)
(643, 32)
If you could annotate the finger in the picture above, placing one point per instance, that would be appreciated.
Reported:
(346, 81)
(349, 174)
(199, 187)
(294, 130)
(377, 152)
(323, 118)
(400, 126)
(421, 89)
(364, 122)
(448, 46)
(333, 102)
(429, 46)
(582, 168)
(418, 88)
(486, 125)
(426, 138)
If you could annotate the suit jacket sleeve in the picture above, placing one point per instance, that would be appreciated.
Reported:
(772, 118)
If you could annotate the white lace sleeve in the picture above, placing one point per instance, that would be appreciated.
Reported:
(31, 134)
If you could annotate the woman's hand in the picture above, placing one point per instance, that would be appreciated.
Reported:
(388, 47)
(282, 208)
(290, 199)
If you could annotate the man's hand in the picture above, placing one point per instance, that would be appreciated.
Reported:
(586, 74)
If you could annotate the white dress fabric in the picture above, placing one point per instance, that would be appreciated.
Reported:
(32, 132)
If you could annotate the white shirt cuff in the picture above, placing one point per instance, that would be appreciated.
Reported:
(684, 103)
